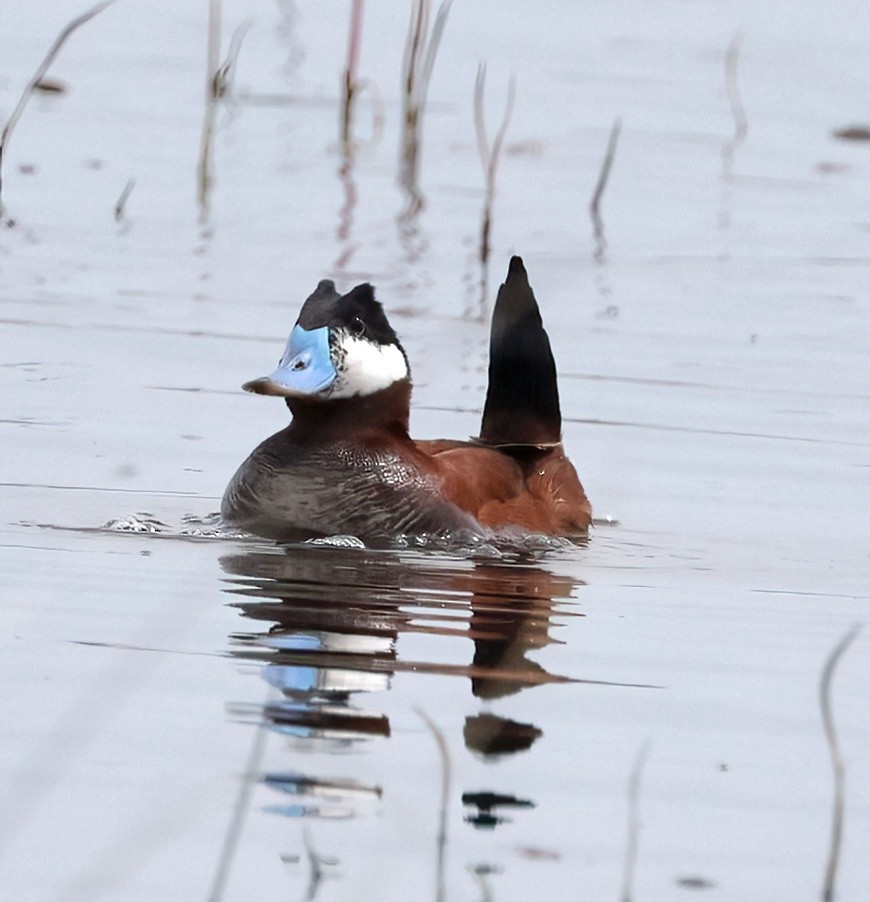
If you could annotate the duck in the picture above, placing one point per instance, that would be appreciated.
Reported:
(346, 464)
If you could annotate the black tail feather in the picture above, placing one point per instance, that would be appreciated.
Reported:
(522, 399)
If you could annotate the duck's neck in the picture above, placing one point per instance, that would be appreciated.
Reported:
(384, 411)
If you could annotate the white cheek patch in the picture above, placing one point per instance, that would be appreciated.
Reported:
(364, 368)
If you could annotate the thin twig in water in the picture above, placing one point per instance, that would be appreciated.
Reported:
(350, 83)
(121, 202)
(219, 77)
(315, 871)
(352, 87)
(227, 69)
(633, 822)
(489, 158)
(738, 113)
(243, 801)
(204, 164)
(55, 48)
(445, 796)
(417, 67)
(741, 125)
(836, 759)
(600, 186)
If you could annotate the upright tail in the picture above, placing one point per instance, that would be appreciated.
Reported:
(522, 399)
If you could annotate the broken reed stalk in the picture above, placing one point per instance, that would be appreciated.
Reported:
(738, 113)
(219, 77)
(598, 193)
(227, 68)
(444, 753)
(204, 164)
(634, 782)
(410, 74)
(604, 175)
(49, 58)
(353, 87)
(121, 202)
(836, 760)
(350, 81)
(421, 48)
(489, 158)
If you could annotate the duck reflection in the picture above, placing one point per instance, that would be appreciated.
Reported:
(335, 617)
(331, 621)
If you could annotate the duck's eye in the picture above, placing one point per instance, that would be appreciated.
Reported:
(357, 326)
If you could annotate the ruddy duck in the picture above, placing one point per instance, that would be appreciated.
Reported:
(346, 464)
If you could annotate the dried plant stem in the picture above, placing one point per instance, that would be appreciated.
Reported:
(121, 202)
(836, 760)
(598, 193)
(352, 87)
(421, 48)
(738, 113)
(350, 84)
(604, 174)
(204, 164)
(218, 80)
(489, 159)
(204, 177)
(227, 68)
(634, 782)
(444, 752)
(55, 48)
(412, 113)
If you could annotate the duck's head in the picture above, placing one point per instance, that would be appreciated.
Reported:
(342, 346)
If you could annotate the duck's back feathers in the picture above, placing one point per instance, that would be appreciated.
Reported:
(530, 487)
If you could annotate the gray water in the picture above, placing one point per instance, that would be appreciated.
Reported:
(190, 714)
